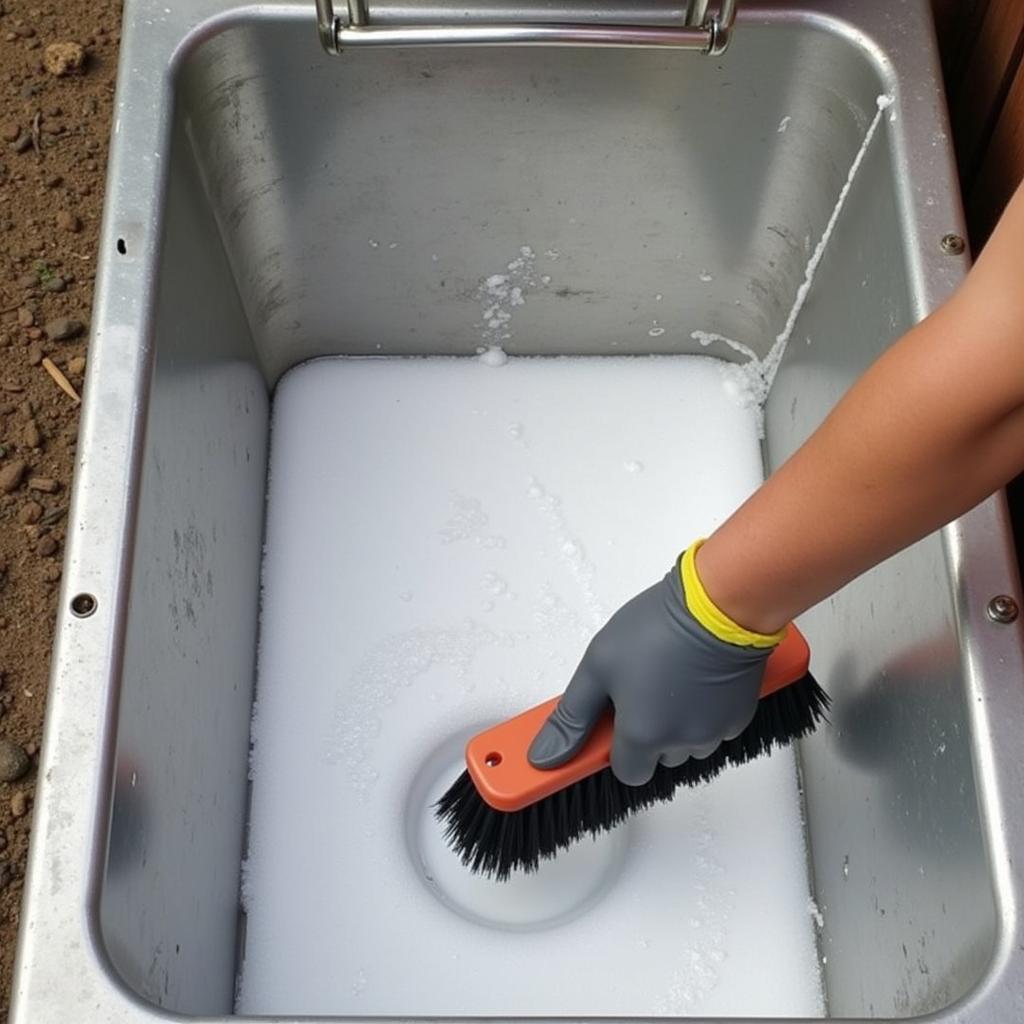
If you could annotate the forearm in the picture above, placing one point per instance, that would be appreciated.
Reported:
(872, 480)
(931, 429)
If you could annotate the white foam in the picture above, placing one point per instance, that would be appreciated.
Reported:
(750, 383)
(442, 541)
(493, 355)
(500, 295)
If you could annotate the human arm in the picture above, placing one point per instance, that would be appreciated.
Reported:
(931, 429)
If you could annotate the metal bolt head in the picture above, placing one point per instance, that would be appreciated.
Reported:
(83, 605)
(1002, 609)
(953, 245)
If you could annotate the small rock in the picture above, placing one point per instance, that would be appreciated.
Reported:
(53, 181)
(63, 329)
(68, 221)
(51, 572)
(62, 59)
(26, 317)
(19, 804)
(47, 546)
(29, 280)
(55, 284)
(14, 762)
(11, 476)
(30, 512)
(35, 354)
(10, 131)
(31, 749)
(25, 31)
(22, 142)
(76, 366)
(31, 435)
(34, 333)
(45, 484)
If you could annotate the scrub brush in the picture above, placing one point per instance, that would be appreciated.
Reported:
(502, 814)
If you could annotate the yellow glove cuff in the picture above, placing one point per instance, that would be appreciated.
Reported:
(709, 615)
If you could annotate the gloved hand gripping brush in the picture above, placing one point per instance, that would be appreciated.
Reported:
(669, 692)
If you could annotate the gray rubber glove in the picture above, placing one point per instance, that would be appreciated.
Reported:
(678, 691)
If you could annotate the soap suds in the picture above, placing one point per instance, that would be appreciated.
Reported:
(500, 296)
(750, 383)
(494, 355)
(815, 912)
(469, 521)
(481, 525)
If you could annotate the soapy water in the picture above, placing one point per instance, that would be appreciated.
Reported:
(468, 521)
(376, 660)
(570, 550)
(749, 383)
(493, 355)
(815, 912)
(500, 296)
(397, 662)
(374, 651)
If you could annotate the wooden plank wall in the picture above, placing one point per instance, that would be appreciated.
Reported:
(982, 43)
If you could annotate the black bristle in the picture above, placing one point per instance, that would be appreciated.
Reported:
(496, 843)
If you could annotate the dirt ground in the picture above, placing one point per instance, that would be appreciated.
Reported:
(54, 127)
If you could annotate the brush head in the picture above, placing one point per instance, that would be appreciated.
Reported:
(496, 843)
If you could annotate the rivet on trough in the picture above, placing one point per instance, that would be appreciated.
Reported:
(1002, 609)
(83, 605)
(953, 245)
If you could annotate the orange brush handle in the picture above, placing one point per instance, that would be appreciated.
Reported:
(506, 780)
